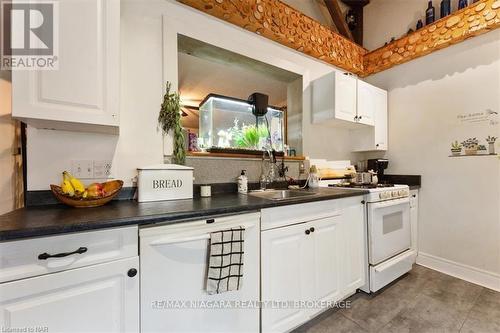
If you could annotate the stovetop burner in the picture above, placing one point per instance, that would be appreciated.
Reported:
(362, 186)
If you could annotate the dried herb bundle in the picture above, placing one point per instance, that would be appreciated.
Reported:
(169, 119)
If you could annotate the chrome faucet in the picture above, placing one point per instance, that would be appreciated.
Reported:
(267, 176)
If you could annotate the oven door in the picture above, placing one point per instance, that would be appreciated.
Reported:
(389, 231)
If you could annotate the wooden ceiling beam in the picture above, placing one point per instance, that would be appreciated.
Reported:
(338, 18)
(361, 3)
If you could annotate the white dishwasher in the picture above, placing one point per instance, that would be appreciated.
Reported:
(174, 262)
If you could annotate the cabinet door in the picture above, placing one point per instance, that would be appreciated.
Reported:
(380, 109)
(365, 103)
(345, 97)
(286, 276)
(414, 219)
(98, 298)
(354, 255)
(327, 257)
(85, 88)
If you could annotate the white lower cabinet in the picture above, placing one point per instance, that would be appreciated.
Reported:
(354, 249)
(76, 282)
(98, 298)
(315, 262)
(326, 261)
(414, 219)
(286, 276)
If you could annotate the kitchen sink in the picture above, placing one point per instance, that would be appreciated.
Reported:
(281, 194)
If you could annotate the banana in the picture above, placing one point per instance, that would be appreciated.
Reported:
(77, 184)
(66, 186)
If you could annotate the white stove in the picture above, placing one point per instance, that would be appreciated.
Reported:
(379, 192)
(388, 249)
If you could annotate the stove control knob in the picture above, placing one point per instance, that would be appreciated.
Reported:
(401, 193)
(394, 194)
(381, 195)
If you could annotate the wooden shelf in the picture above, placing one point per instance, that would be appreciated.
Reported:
(283, 24)
(226, 155)
(464, 155)
(476, 19)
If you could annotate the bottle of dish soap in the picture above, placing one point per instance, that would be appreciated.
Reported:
(313, 180)
(243, 182)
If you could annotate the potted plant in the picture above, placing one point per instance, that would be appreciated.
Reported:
(456, 148)
(470, 146)
(481, 148)
(491, 144)
(169, 119)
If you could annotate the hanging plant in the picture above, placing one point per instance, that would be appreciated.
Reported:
(169, 119)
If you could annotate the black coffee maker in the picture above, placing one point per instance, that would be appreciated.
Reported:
(378, 165)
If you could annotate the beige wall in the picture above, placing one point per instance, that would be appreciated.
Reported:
(384, 19)
(459, 223)
(7, 159)
(148, 59)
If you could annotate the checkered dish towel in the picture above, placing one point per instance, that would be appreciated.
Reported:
(225, 267)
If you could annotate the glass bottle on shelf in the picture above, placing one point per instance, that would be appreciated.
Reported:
(430, 13)
(462, 4)
(445, 8)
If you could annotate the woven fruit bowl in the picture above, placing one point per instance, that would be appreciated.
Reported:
(111, 188)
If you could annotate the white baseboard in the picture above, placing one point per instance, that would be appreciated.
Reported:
(468, 273)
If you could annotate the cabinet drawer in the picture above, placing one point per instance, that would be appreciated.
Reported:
(34, 256)
(282, 216)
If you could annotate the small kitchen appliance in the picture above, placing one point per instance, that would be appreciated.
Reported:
(378, 165)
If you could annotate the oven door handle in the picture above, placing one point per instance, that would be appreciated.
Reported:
(392, 202)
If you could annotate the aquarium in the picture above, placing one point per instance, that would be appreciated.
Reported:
(228, 123)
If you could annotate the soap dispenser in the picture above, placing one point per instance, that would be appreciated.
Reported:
(243, 182)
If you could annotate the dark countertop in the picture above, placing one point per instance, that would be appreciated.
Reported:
(56, 219)
(413, 181)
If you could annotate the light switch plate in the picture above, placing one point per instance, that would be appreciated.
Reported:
(102, 169)
(82, 169)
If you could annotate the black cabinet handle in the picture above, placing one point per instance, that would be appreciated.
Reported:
(359, 118)
(132, 272)
(312, 229)
(45, 256)
(210, 221)
(414, 195)
(363, 202)
(308, 232)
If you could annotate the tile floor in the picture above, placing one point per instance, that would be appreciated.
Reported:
(422, 301)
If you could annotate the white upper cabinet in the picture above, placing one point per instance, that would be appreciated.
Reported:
(366, 103)
(83, 94)
(372, 107)
(342, 100)
(334, 99)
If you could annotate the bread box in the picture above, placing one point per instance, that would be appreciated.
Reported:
(165, 182)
